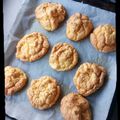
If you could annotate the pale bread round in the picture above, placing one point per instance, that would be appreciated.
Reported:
(15, 80)
(75, 107)
(79, 26)
(89, 78)
(50, 15)
(43, 92)
(63, 57)
(103, 38)
(32, 47)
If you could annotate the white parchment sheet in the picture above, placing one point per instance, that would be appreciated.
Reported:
(18, 105)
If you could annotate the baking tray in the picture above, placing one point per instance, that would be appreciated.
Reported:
(13, 34)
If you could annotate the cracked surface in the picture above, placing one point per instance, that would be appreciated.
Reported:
(103, 38)
(50, 15)
(15, 80)
(63, 57)
(78, 27)
(75, 107)
(89, 78)
(32, 47)
(43, 92)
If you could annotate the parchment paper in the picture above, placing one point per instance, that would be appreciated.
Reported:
(18, 105)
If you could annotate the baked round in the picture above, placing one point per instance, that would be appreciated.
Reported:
(43, 92)
(63, 57)
(15, 80)
(89, 78)
(103, 38)
(32, 47)
(78, 27)
(75, 107)
(50, 15)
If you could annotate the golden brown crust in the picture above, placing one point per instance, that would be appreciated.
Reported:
(89, 78)
(75, 107)
(50, 15)
(63, 57)
(103, 38)
(15, 80)
(32, 47)
(43, 92)
(78, 27)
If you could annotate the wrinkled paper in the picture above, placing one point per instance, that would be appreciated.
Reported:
(18, 105)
